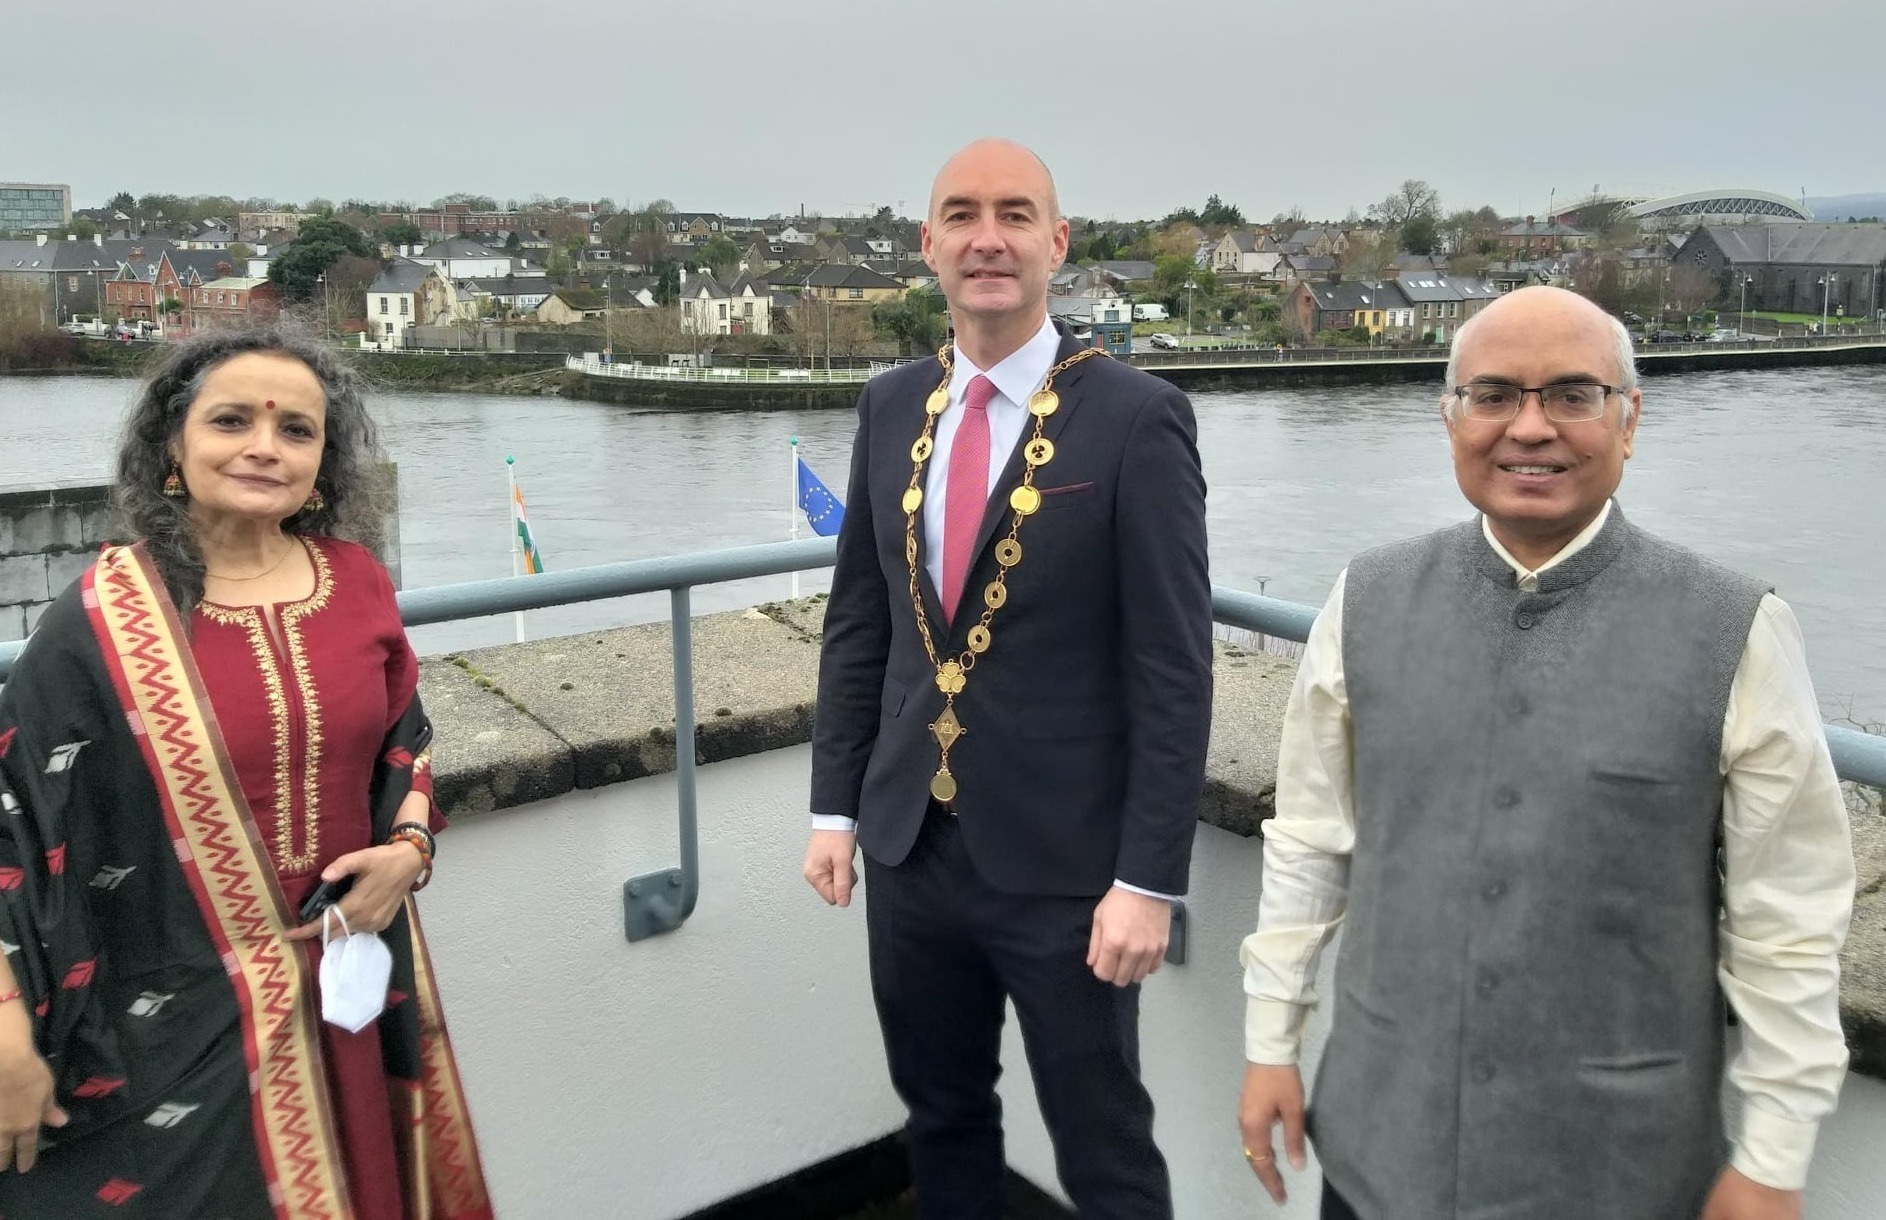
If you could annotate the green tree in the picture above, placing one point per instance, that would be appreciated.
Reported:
(916, 322)
(401, 233)
(124, 201)
(1421, 234)
(512, 242)
(1218, 212)
(239, 256)
(320, 244)
(722, 257)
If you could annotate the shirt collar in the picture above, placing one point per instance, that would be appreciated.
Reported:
(1017, 375)
(1578, 543)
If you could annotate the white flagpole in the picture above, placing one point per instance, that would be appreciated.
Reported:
(792, 451)
(517, 550)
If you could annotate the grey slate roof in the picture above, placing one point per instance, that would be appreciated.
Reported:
(1422, 286)
(1802, 243)
(460, 247)
(404, 276)
(1356, 294)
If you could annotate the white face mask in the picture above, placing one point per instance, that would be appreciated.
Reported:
(355, 971)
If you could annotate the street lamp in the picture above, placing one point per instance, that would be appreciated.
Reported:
(1741, 310)
(327, 307)
(1827, 287)
(1189, 286)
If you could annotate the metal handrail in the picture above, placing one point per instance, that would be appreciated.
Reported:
(719, 375)
(662, 900)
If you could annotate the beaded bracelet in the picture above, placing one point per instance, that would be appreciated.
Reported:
(421, 838)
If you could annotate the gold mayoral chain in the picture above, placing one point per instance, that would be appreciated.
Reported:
(952, 675)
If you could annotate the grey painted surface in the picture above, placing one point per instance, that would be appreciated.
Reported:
(663, 1076)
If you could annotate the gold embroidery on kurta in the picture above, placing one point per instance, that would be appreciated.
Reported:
(288, 860)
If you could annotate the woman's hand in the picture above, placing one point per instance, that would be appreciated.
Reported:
(383, 876)
(25, 1092)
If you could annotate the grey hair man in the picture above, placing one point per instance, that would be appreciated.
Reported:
(1565, 787)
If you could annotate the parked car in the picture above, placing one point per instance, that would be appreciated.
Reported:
(1166, 341)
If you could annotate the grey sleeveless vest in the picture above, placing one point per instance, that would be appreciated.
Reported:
(1527, 1024)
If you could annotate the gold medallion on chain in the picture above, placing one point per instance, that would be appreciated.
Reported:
(952, 676)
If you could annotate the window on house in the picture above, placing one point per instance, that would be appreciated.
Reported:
(389, 328)
(383, 305)
(723, 311)
(405, 306)
(856, 294)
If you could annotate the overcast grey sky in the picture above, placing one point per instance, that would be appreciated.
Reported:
(841, 106)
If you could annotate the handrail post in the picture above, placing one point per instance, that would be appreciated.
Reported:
(658, 902)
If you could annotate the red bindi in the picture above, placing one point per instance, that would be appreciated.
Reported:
(270, 404)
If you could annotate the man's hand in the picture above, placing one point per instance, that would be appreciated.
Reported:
(828, 865)
(1272, 1094)
(1738, 1197)
(1129, 937)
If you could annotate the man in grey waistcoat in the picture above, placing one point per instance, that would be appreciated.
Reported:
(1565, 788)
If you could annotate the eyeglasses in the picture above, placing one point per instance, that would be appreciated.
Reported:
(1566, 402)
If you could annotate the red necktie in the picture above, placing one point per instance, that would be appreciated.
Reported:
(967, 494)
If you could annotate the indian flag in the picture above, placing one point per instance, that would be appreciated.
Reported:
(526, 544)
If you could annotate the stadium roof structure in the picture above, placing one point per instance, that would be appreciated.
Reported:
(1730, 203)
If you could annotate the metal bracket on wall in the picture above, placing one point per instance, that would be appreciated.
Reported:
(658, 902)
(1175, 947)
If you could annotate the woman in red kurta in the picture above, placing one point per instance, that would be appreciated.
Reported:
(210, 723)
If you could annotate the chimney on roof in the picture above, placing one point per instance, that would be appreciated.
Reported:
(98, 239)
(40, 240)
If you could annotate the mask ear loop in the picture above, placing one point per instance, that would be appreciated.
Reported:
(333, 912)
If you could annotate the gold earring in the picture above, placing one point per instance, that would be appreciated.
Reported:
(316, 502)
(173, 485)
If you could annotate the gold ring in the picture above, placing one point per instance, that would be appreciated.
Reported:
(1256, 1159)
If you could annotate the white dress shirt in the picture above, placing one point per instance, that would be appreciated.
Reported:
(1786, 898)
(1016, 378)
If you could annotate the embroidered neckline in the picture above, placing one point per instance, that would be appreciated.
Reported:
(316, 598)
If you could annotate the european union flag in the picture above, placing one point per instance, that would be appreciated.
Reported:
(821, 507)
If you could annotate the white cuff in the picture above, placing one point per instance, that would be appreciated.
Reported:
(1273, 1031)
(834, 821)
(1773, 1150)
(1134, 889)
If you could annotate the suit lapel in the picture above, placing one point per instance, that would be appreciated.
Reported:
(998, 511)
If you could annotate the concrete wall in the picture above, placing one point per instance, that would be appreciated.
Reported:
(51, 534)
(645, 1081)
(48, 536)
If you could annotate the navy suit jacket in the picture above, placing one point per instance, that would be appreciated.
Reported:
(1087, 719)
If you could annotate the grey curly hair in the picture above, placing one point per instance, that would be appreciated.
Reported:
(351, 458)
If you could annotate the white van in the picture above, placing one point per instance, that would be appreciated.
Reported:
(1150, 313)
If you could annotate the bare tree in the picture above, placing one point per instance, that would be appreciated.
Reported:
(1370, 254)
(1411, 199)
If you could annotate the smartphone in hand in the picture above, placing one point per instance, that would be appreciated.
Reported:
(324, 896)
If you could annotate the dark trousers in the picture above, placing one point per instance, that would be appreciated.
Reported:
(1335, 1207)
(947, 951)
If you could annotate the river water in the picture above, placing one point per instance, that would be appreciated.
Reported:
(1778, 474)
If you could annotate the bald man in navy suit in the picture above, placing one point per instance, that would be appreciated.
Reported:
(1014, 702)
